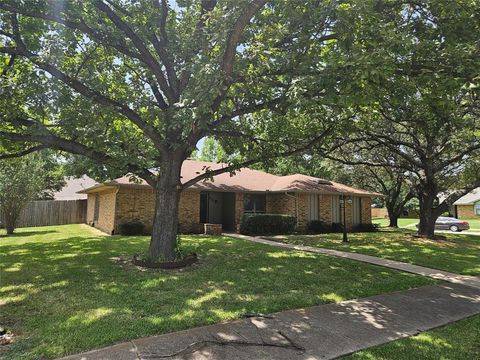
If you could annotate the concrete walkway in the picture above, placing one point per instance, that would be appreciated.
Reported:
(473, 281)
(319, 332)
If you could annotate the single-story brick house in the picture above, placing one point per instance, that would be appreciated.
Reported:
(468, 206)
(227, 198)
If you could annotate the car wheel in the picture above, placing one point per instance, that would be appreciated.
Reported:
(454, 228)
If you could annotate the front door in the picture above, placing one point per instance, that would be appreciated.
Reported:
(218, 208)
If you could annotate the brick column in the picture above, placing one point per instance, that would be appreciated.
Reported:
(238, 210)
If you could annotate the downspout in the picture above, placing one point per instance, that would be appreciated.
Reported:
(296, 206)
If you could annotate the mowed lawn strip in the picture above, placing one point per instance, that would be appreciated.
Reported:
(62, 292)
(459, 254)
(408, 223)
(459, 341)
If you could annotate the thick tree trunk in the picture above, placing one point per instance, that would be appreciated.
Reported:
(163, 242)
(393, 215)
(428, 215)
(392, 220)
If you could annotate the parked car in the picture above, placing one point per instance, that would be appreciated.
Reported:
(450, 223)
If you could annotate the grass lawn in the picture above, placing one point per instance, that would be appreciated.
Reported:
(460, 254)
(474, 224)
(409, 223)
(460, 340)
(402, 222)
(61, 291)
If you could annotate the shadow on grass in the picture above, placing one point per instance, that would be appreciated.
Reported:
(27, 233)
(65, 294)
(459, 254)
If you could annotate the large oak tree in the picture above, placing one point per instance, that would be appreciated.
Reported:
(132, 86)
(414, 73)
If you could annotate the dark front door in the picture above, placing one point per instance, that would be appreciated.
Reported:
(218, 208)
(228, 218)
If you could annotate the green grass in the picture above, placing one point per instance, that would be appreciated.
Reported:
(460, 340)
(61, 291)
(474, 224)
(409, 223)
(460, 254)
(402, 222)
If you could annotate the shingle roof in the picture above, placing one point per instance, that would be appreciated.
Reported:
(249, 180)
(469, 199)
(72, 188)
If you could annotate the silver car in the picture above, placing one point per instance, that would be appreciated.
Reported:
(450, 223)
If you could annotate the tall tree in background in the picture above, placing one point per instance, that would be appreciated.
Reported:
(382, 171)
(414, 70)
(134, 85)
(21, 180)
(212, 150)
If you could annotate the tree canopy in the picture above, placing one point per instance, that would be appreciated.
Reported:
(415, 81)
(133, 86)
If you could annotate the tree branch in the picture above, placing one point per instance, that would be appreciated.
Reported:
(141, 47)
(160, 45)
(23, 153)
(54, 142)
(79, 26)
(94, 95)
(212, 173)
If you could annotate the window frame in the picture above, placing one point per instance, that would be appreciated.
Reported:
(476, 208)
(255, 197)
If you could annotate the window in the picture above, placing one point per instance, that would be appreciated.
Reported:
(477, 209)
(255, 203)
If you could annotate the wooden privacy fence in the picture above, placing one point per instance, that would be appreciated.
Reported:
(53, 212)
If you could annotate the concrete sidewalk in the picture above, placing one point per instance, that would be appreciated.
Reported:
(319, 332)
(473, 281)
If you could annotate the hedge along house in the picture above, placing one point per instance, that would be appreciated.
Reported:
(226, 198)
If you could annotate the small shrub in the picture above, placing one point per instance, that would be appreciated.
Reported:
(263, 224)
(134, 227)
(337, 227)
(365, 228)
(320, 227)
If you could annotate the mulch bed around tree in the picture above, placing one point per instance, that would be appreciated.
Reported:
(186, 261)
(136, 264)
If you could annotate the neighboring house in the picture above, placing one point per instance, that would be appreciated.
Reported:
(468, 206)
(227, 198)
(72, 188)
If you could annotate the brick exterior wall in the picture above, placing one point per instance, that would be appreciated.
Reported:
(280, 204)
(106, 211)
(366, 204)
(239, 207)
(126, 204)
(325, 208)
(466, 212)
(90, 208)
(287, 204)
(134, 204)
(139, 204)
(189, 212)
